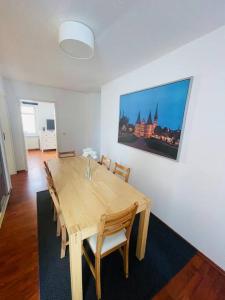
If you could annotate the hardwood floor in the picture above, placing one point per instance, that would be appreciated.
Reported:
(198, 280)
(18, 234)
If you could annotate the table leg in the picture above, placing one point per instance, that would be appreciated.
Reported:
(142, 232)
(75, 248)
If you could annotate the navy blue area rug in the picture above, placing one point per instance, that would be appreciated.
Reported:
(166, 254)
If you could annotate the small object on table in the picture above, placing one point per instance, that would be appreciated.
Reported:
(89, 153)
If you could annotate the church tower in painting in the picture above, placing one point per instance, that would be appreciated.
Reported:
(155, 123)
(138, 126)
(146, 129)
(149, 130)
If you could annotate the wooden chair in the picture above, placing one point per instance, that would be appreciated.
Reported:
(114, 234)
(105, 161)
(50, 185)
(67, 154)
(48, 173)
(122, 171)
(61, 228)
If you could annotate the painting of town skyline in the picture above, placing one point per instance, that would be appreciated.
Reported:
(152, 119)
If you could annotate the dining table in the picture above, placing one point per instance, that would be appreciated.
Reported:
(84, 200)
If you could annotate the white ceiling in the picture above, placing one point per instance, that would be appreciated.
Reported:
(128, 33)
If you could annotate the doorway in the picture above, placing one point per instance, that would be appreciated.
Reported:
(39, 127)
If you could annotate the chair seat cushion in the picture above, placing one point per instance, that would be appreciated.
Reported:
(109, 242)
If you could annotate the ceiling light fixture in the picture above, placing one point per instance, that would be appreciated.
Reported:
(76, 39)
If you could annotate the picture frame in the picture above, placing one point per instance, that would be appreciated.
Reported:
(153, 119)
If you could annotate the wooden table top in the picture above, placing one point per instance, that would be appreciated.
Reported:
(83, 201)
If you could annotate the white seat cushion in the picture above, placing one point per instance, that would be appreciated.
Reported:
(109, 241)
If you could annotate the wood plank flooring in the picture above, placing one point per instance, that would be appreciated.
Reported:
(18, 234)
(198, 280)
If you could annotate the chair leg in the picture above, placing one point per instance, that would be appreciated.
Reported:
(58, 228)
(126, 260)
(63, 241)
(98, 277)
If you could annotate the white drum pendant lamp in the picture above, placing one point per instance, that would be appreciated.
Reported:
(76, 39)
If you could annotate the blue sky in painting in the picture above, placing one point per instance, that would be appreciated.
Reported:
(171, 99)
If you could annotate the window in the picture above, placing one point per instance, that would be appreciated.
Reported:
(29, 119)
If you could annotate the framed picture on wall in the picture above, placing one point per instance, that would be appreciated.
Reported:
(152, 119)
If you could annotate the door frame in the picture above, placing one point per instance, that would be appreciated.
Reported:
(5, 198)
(21, 126)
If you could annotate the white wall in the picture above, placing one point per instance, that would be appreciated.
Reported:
(188, 195)
(2, 92)
(45, 111)
(75, 130)
(32, 142)
(93, 115)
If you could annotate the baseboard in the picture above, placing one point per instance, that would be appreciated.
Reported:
(214, 265)
(4, 206)
(14, 172)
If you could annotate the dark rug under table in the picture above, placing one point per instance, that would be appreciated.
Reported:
(166, 254)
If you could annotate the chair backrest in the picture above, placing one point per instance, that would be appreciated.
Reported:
(55, 200)
(113, 223)
(49, 177)
(67, 154)
(122, 171)
(47, 169)
(50, 182)
(105, 161)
